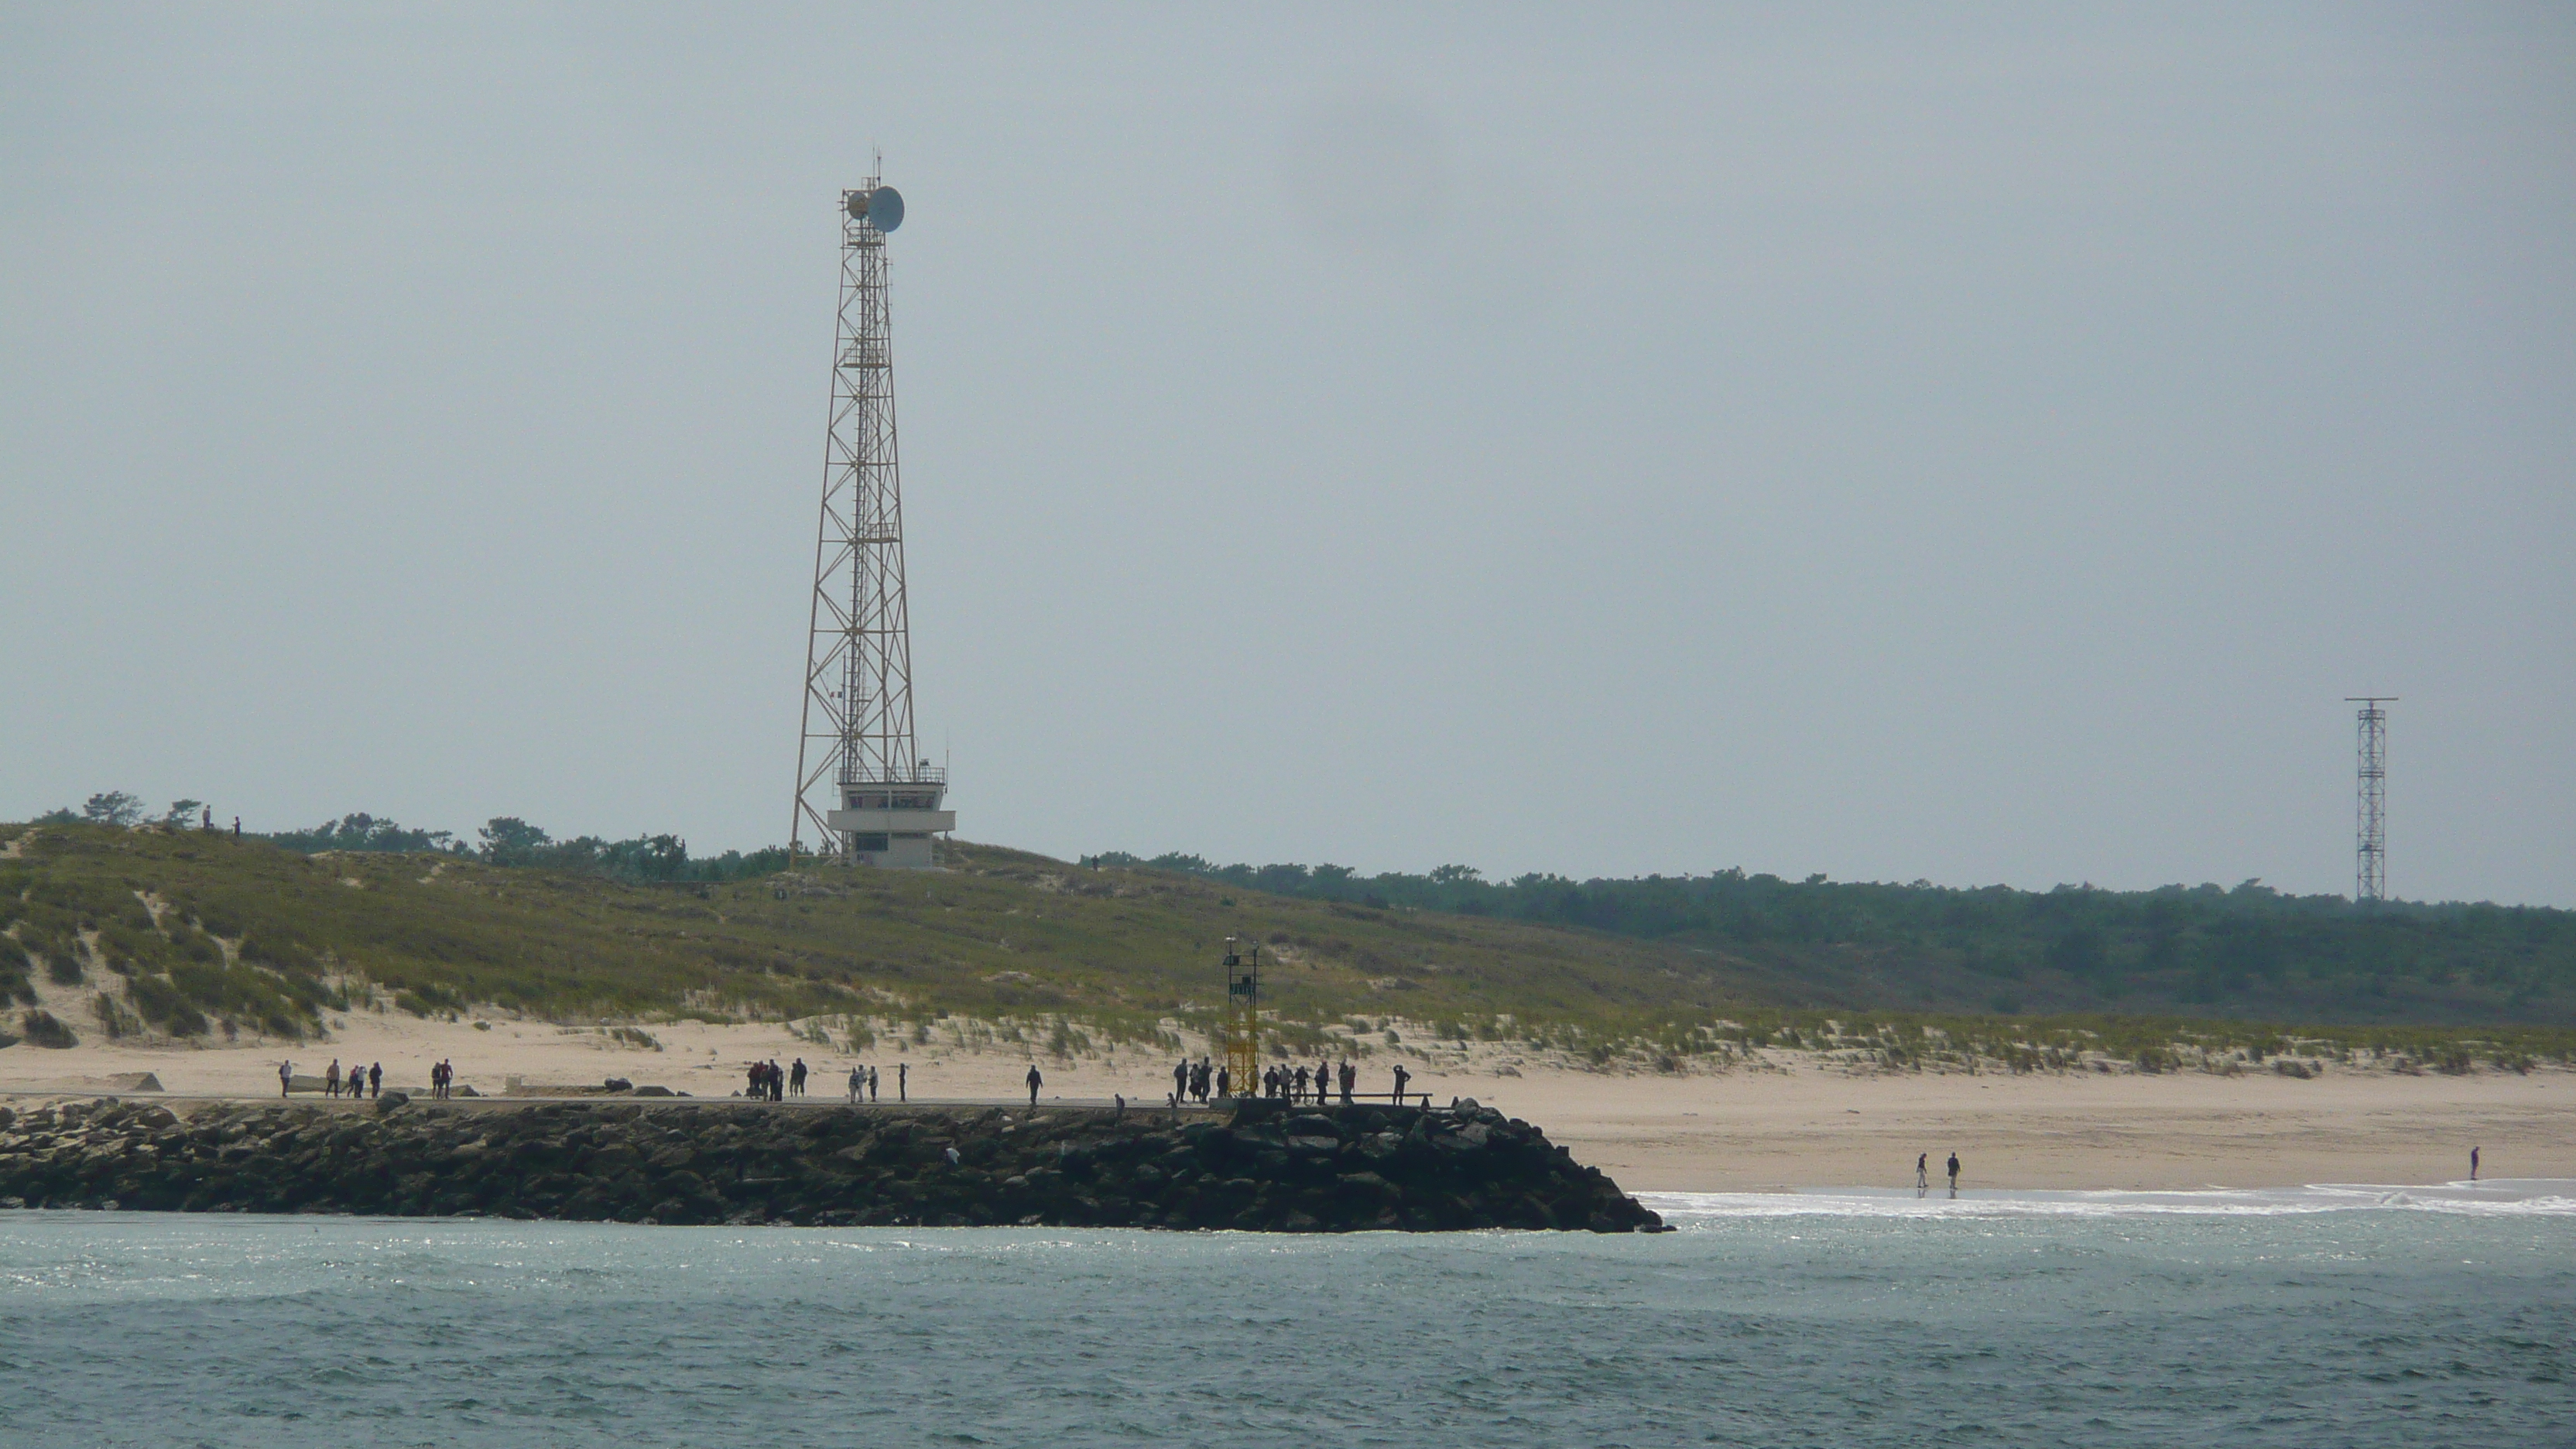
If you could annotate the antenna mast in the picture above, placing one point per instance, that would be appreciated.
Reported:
(2370, 801)
(861, 784)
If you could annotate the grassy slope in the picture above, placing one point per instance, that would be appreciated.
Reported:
(1004, 937)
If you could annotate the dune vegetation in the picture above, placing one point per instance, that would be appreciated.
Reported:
(191, 933)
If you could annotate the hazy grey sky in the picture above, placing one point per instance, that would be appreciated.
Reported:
(1978, 445)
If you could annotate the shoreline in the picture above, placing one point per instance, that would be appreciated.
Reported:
(1786, 1121)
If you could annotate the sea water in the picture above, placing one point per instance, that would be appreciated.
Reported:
(2330, 1316)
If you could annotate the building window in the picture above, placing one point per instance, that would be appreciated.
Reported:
(868, 844)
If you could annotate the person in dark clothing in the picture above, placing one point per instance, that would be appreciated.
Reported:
(1180, 1080)
(2473, 1164)
(1034, 1082)
(872, 1084)
(1225, 1081)
(1923, 1169)
(1350, 1079)
(777, 1082)
(1401, 1077)
(902, 1075)
(796, 1077)
(1954, 1172)
(375, 1080)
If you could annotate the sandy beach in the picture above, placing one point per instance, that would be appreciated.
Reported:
(1789, 1122)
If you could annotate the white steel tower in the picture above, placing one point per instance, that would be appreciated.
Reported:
(861, 784)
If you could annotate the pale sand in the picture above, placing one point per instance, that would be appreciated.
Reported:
(1800, 1124)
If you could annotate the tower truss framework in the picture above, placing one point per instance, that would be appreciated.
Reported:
(863, 791)
(2370, 797)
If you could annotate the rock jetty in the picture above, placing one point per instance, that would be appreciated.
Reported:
(1256, 1165)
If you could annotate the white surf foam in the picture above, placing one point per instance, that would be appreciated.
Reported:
(2510, 1197)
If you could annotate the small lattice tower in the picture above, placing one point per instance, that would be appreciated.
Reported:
(862, 788)
(2370, 797)
(1243, 1014)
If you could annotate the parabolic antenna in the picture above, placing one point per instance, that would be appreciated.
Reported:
(885, 208)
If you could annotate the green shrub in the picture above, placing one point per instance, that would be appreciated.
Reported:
(115, 1017)
(43, 1029)
(165, 1006)
(62, 968)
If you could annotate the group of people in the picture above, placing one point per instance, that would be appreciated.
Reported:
(1923, 1171)
(1302, 1085)
(863, 1083)
(1196, 1081)
(769, 1084)
(364, 1082)
(358, 1081)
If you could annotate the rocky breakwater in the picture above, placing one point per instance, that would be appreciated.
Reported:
(1249, 1165)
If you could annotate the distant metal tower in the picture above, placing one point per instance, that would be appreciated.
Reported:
(861, 784)
(2370, 803)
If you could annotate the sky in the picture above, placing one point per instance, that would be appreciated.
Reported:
(1967, 444)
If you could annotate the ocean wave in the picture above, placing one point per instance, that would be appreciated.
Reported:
(2501, 1197)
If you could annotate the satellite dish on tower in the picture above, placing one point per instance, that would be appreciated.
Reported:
(881, 208)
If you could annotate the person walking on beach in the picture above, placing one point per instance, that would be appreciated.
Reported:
(2473, 1164)
(1034, 1081)
(285, 1077)
(1923, 1169)
(1954, 1172)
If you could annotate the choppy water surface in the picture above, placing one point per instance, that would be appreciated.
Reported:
(2347, 1316)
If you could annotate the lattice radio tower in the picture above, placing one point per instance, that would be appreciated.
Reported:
(861, 784)
(2370, 798)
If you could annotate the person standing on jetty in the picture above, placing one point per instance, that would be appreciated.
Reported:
(375, 1080)
(902, 1075)
(858, 1078)
(1180, 1080)
(1401, 1077)
(331, 1079)
(872, 1084)
(1034, 1081)
(796, 1077)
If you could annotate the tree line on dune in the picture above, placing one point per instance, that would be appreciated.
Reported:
(2196, 945)
(505, 840)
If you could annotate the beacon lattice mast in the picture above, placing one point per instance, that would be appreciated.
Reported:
(2370, 800)
(861, 784)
